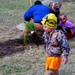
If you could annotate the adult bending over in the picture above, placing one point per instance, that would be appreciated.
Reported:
(34, 15)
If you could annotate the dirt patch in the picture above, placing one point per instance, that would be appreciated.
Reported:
(16, 45)
(11, 46)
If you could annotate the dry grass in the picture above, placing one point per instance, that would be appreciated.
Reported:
(30, 61)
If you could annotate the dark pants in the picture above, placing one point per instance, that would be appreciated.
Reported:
(67, 31)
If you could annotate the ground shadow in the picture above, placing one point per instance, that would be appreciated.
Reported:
(11, 46)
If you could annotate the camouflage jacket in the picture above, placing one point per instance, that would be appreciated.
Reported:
(56, 43)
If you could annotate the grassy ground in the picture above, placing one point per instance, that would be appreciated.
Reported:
(31, 61)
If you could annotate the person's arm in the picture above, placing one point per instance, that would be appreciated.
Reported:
(64, 47)
(28, 14)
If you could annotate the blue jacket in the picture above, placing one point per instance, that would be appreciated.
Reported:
(37, 12)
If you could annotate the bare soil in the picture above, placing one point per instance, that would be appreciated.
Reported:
(11, 46)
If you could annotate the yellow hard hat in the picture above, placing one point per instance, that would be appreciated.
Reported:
(50, 20)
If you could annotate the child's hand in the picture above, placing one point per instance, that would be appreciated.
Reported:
(65, 60)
